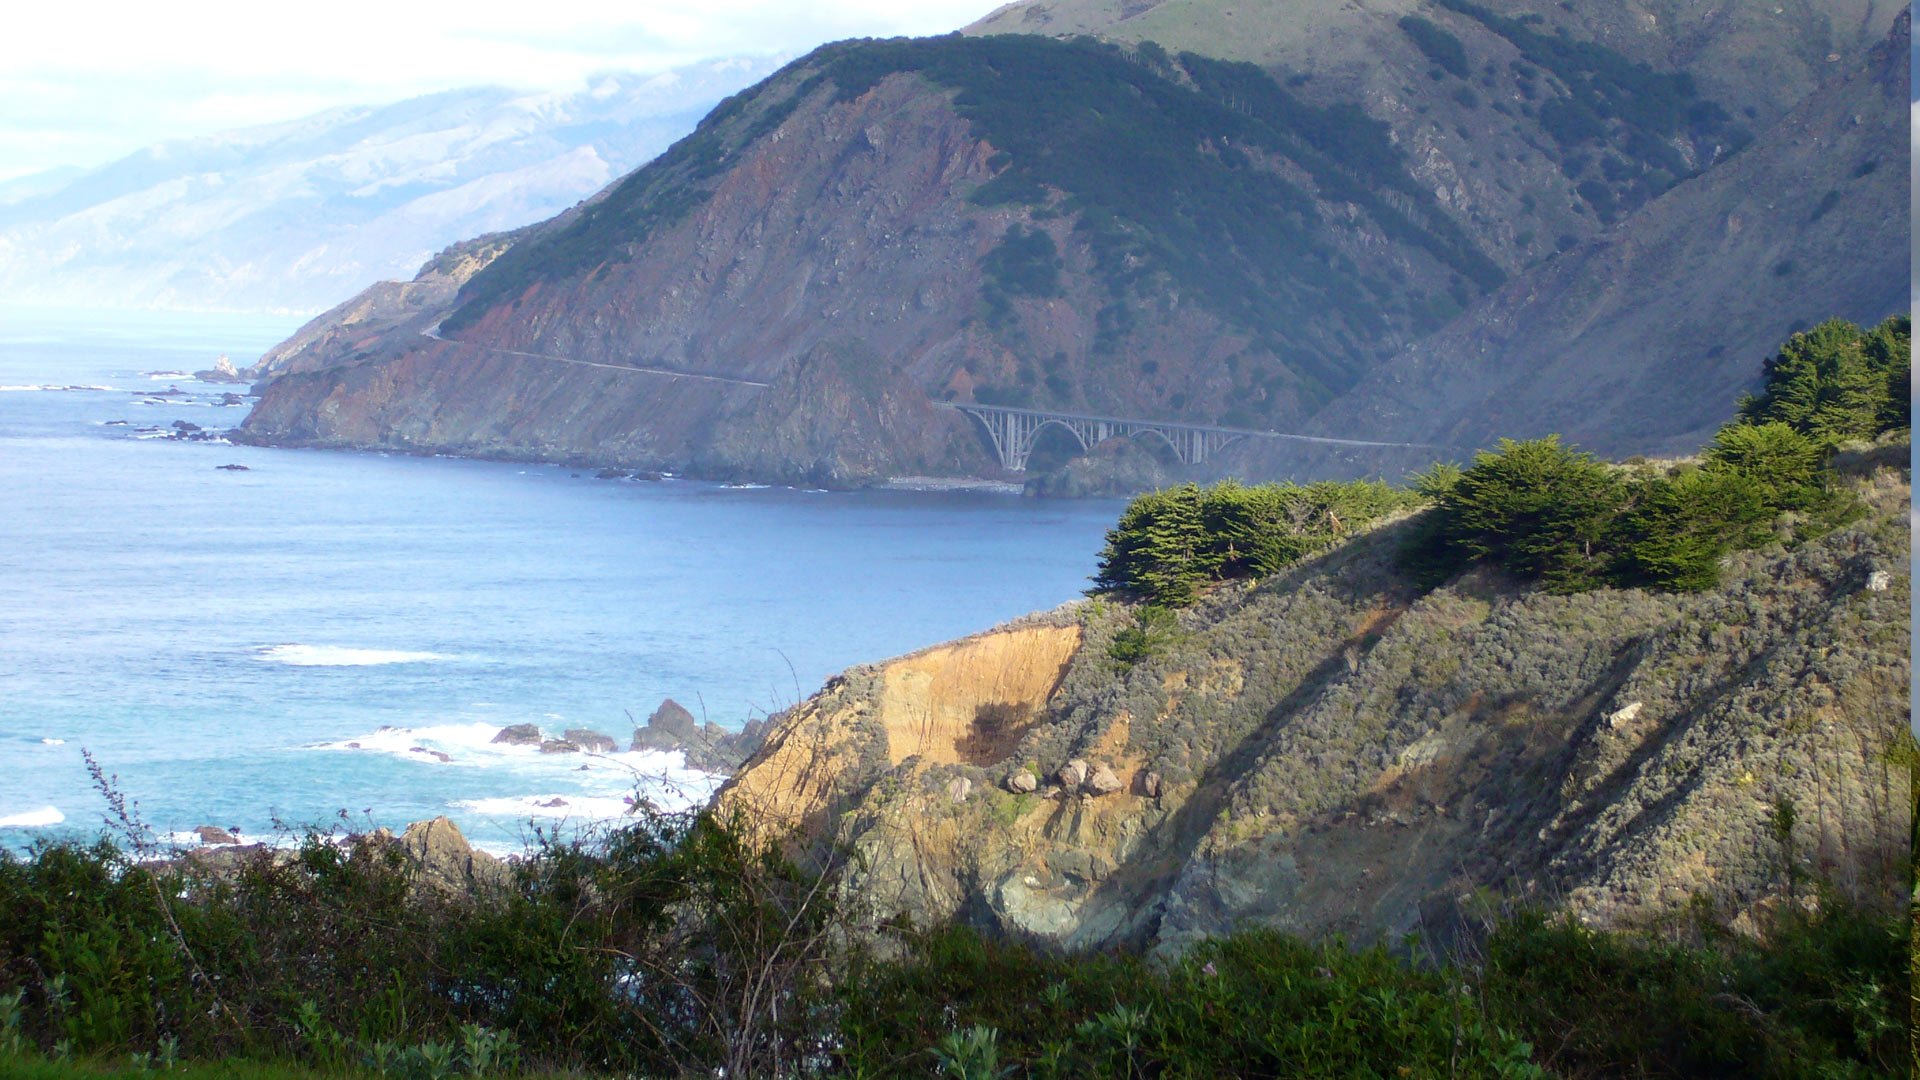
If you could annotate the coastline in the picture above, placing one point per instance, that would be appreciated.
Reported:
(951, 483)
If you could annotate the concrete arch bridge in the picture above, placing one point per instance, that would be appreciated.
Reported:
(1015, 431)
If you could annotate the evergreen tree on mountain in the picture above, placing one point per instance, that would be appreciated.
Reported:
(1837, 382)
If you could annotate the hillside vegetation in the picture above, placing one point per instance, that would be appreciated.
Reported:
(667, 949)
(1544, 512)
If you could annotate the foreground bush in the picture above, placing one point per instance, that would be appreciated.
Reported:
(669, 949)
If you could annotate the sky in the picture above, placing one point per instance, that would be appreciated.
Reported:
(84, 82)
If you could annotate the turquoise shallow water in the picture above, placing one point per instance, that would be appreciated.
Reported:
(217, 639)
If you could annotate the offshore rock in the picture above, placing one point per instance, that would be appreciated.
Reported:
(709, 747)
(591, 741)
(519, 735)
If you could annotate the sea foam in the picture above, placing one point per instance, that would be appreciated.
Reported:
(340, 656)
(33, 819)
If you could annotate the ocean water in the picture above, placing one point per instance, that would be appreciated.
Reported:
(275, 648)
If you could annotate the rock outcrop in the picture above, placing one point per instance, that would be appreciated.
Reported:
(963, 705)
(1336, 750)
(707, 747)
(443, 860)
(591, 742)
(434, 854)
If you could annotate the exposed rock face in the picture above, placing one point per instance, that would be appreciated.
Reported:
(1338, 751)
(519, 735)
(966, 704)
(214, 834)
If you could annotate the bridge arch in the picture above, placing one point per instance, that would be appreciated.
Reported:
(1014, 431)
(1068, 426)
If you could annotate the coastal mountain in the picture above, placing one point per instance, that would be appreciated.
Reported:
(1342, 749)
(1254, 219)
(293, 217)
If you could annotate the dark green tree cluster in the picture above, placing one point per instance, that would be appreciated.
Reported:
(1170, 544)
(1837, 382)
(1543, 511)
(1441, 47)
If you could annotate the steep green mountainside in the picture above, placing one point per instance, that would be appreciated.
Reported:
(1763, 56)
(1136, 229)
(1133, 180)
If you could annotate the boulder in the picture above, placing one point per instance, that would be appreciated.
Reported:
(552, 803)
(1878, 581)
(1072, 774)
(558, 746)
(959, 788)
(591, 741)
(1022, 782)
(214, 834)
(671, 727)
(1104, 781)
(1150, 784)
(1623, 715)
(520, 735)
(444, 860)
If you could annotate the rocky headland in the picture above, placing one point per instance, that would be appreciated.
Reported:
(1337, 750)
(1355, 223)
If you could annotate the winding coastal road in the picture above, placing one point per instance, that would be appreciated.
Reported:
(433, 332)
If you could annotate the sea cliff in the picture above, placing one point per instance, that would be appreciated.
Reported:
(1338, 750)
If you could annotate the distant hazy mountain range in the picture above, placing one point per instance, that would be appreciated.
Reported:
(295, 216)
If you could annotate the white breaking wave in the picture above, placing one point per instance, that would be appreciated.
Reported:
(458, 741)
(33, 819)
(20, 389)
(570, 807)
(54, 742)
(341, 656)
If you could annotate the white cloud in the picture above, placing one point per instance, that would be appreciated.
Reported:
(86, 82)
